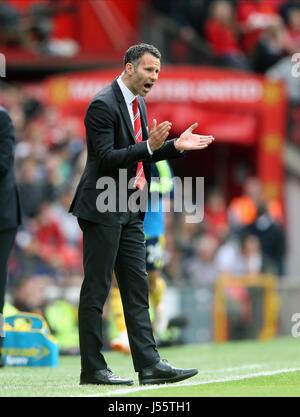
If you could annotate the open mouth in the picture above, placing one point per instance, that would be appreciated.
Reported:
(148, 85)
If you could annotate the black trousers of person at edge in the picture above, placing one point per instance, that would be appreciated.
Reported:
(7, 238)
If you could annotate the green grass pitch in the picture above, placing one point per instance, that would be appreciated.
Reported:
(249, 368)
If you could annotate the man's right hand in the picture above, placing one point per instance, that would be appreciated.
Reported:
(158, 134)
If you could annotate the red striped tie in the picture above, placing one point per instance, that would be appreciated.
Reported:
(140, 179)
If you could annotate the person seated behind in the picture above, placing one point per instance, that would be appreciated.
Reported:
(293, 30)
(11, 31)
(221, 33)
(254, 17)
(215, 220)
(47, 245)
(271, 236)
(201, 268)
(252, 261)
(242, 210)
(31, 295)
(61, 316)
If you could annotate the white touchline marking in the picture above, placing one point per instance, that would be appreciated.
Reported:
(189, 384)
(204, 372)
(235, 368)
(50, 386)
(67, 386)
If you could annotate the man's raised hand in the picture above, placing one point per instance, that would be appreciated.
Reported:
(189, 141)
(158, 134)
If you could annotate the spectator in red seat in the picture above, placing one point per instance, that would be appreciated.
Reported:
(293, 29)
(68, 224)
(215, 217)
(221, 33)
(254, 16)
(48, 242)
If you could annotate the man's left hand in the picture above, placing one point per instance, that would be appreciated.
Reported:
(189, 141)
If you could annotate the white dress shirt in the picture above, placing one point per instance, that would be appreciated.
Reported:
(129, 97)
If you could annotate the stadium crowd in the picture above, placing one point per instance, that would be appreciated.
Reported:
(252, 35)
(240, 237)
(245, 34)
(49, 157)
(31, 28)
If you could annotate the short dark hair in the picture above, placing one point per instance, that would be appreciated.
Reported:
(135, 52)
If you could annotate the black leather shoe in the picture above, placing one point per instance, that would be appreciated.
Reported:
(103, 377)
(164, 373)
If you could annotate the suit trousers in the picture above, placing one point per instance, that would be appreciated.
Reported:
(118, 247)
(7, 238)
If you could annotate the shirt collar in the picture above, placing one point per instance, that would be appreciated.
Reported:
(128, 95)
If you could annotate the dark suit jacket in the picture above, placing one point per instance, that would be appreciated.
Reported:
(111, 146)
(10, 213)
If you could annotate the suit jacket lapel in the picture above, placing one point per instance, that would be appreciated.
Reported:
(143, 121)
(123, 107)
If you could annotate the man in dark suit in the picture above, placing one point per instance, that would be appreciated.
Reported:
(120, 145)
(9, 200)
